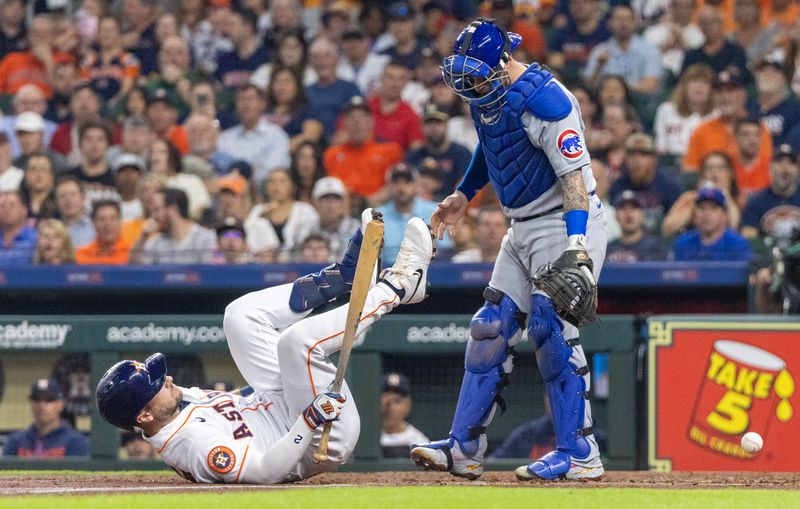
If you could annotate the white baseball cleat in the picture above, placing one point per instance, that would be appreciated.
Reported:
(408, 277)
(446, 456)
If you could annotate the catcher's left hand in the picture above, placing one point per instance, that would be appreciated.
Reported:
(571, 285)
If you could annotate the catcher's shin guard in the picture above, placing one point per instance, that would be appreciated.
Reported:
(494, 330)
(562, 365)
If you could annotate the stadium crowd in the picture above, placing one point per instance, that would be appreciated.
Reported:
(253, 131)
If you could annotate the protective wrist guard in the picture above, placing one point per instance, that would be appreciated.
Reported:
(325, 408)
(571, 285)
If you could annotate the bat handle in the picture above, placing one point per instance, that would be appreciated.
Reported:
(321, 454)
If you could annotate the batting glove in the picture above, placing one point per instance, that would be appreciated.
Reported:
(325, 408)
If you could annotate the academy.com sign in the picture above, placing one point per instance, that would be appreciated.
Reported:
(449, 334)
(152, 333)
(33, 335)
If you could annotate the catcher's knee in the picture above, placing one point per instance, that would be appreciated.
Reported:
(545, 331)
(494, 328)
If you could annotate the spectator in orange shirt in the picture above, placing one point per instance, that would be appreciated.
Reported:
(36, 65)
(752, 163)
(361, 163)
(718, 134)
(163, 117)
(109, 247)
(394, 119)
(781, 12)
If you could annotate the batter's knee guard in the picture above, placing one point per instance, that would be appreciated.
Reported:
(494, 330)
(562, 365)
(313, 290)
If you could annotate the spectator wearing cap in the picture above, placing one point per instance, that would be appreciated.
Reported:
(128, 171)
(780, 109)
(626, 54)
(407, 49)
(94, 170)
(110, 70)
(712, 239)
(262, 144)
(331, 203)
(170, 236)
(84, 105)
(634, 244)
(109, 246)
(279, 225)
(397, 434)
(38, 187)
(316, 249)
(232, 242)
(358, 64)
(10, 175)
(361, 162)
(17, 238)
(162, 114)
(165, 160)
(137, 135)
(395, 120)
(717, 51)
(402, 183)
(752, 163)
(716, 171)
(34, 65)
(570, 45)
(717, 134)
(452, 158)
(234, 68)
(233, 197)
(492, 226)
(780, 198)
(327, 95)
(28, 98)
(12, 27)
(29, 129)
(656, 189)
(49, 436)
(141, 38)
(203, 132)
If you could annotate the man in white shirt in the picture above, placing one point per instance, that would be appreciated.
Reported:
(262, 144)
(269, 432)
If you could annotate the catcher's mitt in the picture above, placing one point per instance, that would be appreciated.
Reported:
(571, 285)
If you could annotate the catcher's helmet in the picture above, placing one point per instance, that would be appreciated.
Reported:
(481, 51)
(127, 387)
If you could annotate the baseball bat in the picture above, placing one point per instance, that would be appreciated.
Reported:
(367, 258)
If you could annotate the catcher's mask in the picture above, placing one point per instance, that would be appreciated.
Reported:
(127, 387)
(477, 69)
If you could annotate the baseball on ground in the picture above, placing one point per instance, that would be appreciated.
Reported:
(752, 442)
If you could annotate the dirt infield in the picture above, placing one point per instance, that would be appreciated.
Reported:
(33, 484)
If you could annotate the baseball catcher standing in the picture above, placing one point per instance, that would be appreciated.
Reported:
(532, 149)
(267, 434)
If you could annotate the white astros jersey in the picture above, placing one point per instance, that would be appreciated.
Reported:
(218, 434)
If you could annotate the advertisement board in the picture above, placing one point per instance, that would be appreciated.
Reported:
(712, 382)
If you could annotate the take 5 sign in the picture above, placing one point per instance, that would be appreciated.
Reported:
(711, 382)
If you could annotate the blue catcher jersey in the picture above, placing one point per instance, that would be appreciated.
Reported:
(538, 137)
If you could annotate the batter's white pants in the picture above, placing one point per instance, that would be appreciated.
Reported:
(287, 354)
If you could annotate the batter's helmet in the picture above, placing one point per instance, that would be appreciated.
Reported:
(481, 51)
(127, 387)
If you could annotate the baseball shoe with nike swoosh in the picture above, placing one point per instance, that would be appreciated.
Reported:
(408, 277)
(558, 465)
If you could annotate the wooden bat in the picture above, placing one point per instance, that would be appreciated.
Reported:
(367, 258)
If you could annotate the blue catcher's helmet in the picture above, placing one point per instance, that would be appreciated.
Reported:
(476, 70)
(127, 387)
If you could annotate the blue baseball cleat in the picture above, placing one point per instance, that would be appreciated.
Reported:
(558, 465)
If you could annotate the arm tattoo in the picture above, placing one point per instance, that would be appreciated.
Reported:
(575, 195)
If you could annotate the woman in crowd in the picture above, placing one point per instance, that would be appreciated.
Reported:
(292, 52)
(38, 187)
(306, 169)
(287, 108)
(716, 171)
(53, 244)
(690, 103)
(165, 160)
(111, 70)
(279, 226)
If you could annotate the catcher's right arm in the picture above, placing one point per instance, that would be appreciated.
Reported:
(571, 285)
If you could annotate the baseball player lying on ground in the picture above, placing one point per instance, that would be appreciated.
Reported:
(270, 435)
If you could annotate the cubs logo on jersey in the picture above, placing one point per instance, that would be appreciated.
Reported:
(221, 459)
(570, 144)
